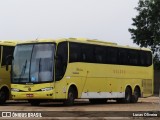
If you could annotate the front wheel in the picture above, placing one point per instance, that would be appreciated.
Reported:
(71, 97)
(3, 97)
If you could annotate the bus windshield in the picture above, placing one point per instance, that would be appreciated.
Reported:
(33, 63)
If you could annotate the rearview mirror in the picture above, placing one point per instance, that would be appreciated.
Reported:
(9, 59)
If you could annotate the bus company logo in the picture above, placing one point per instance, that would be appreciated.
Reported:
(29, 89)
(6, 114)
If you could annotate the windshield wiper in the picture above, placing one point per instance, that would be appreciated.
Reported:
(39, 65)
(23, 70)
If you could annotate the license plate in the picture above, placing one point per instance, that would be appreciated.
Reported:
(29, 95)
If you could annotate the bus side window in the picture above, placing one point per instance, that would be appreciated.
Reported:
(112, 55)
(149, 58)
(100, 54)
(75, 54)
(143, 58)
(61, 60)
(133, 57)
(7, 50)
(88, 53)
(146, 58)
(122, 56)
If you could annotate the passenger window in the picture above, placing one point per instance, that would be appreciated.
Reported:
(61, 60)
(149, 58)
(75, 52)
(112, 55)
(7, 50)
(133, 57)
(122, 56)
(146, 58)
(100, 54)
(88, 53)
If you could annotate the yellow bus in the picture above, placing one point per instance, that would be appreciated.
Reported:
(77, 68)
(6, 51)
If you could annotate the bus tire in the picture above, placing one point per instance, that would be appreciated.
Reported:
(128, 95)
(3, 97)
(71, 97)
(136, 95)
(34, 102)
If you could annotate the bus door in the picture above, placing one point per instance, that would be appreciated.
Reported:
(60, 69)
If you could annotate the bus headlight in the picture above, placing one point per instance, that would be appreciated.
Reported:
(47, 89)
(15, 90)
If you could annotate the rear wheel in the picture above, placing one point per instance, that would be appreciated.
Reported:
(71, 97)
(136, 95)
(34, 102)
(3, 97)
(128, 95)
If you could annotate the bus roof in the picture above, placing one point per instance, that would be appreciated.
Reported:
(8, 42)
(82, 40)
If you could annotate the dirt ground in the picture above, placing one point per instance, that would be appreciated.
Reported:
(144, 104)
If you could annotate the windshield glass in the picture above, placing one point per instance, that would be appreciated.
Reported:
(21, 63)
(33, 63)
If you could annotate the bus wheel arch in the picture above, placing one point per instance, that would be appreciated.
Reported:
(72, 95)
(4, 94)
(136, 94)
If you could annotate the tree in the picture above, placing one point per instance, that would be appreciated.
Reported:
(146, 31)
(156, 62)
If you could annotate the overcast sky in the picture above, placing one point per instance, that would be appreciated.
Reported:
(107, 20)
